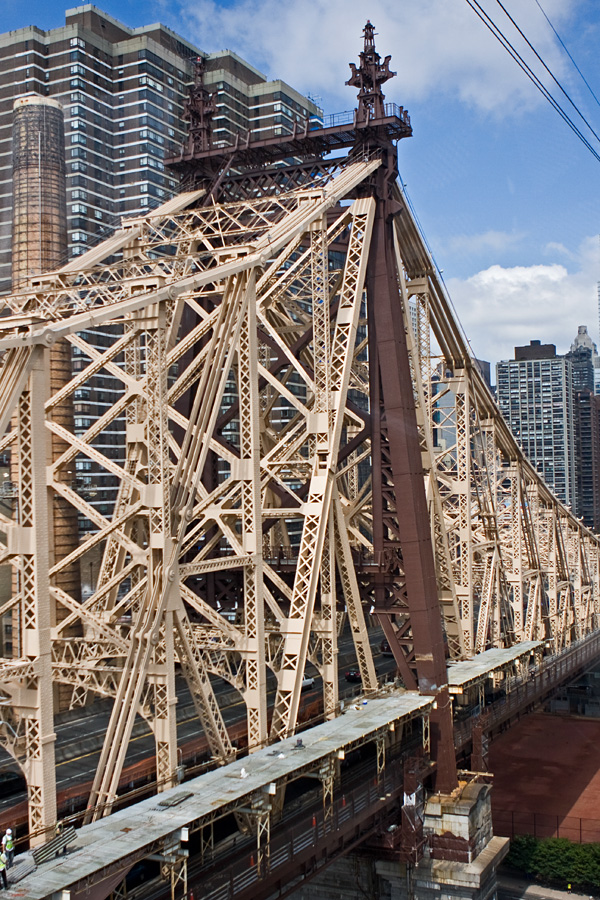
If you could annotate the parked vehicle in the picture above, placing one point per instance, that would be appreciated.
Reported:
(386, 650)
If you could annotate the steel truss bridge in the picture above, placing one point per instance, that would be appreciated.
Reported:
(294, 387)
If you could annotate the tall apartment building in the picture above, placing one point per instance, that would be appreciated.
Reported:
(587, 455)
(584, 349)
(123, 92)
(536, 397)
(586, 365)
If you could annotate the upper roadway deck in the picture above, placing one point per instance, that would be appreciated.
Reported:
(467, 672)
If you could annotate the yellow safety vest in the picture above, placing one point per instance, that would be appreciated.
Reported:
(2, 861)
(9, 842)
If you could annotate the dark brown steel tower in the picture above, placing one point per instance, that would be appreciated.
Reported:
(199, 110)
(403, 579)
(368, 78)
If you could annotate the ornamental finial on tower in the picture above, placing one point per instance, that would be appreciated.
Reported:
(369, 76)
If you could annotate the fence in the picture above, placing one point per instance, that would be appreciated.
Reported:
(509, 823)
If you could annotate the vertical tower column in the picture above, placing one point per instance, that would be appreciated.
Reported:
(407, 533)
(39, 244)
(158, 500)
(517, 550)
(464, 588)
(36, 697)
(256, 679)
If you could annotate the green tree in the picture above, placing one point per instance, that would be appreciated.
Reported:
(521, 853)
(556, 860)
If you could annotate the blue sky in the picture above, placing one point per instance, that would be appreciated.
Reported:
(507, 195)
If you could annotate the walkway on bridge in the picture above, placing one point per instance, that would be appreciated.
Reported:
(106, 850)
(109, 847)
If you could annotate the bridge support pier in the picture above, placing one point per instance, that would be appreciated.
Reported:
(459, 862)
(432, 879)
(461, 855)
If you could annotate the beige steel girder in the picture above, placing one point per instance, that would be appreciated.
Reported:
(240, 537)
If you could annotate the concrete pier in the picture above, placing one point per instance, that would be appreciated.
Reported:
(460, 861)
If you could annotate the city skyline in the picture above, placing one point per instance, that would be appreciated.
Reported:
(504, 191)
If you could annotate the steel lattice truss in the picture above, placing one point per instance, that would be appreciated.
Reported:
(240, 336)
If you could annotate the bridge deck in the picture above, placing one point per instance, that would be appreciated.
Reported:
(113, 844)
(134, 833)
(466, 672)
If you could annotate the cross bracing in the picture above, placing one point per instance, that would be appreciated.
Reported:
(244, 349)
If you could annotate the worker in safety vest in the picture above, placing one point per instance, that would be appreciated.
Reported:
(3, 870)
(8, 847)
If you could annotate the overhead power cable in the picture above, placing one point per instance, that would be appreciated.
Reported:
(550, 73)
(562, 44)
(489, 23)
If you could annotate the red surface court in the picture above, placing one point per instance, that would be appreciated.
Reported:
(547, 777)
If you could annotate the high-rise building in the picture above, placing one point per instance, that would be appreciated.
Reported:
(586, 366)
(123, 92)
(581, 348)
(598, 295)
(587, 456)
(535, 394)
(485, 370)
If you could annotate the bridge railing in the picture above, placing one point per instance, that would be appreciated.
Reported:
(529, 689)
(314, 838)
(348, 117)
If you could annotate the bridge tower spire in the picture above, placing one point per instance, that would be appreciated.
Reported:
(369, 76)
(199, 109)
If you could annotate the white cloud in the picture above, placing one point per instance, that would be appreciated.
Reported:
(501, 308)
(438, 47)
(556, 248)
(473, 244)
